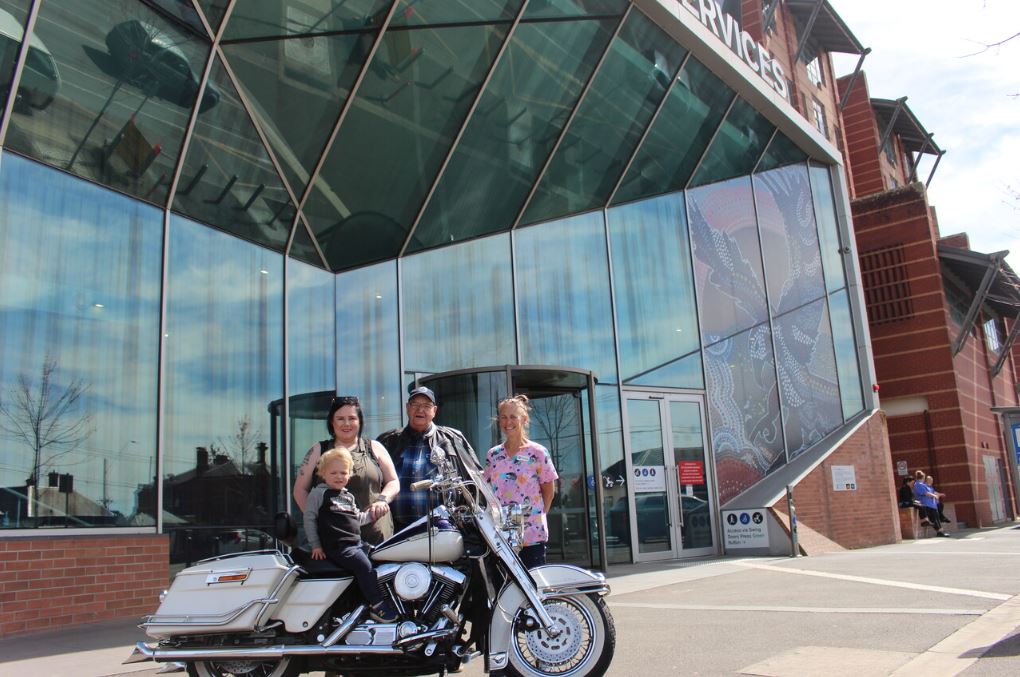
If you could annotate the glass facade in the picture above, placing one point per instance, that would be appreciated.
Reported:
(364, 196)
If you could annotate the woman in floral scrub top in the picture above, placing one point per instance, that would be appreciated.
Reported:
(520, 470)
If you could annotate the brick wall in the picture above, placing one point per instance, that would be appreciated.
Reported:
(913, 353)
(62, 581)
(853, 519)
(861, 131)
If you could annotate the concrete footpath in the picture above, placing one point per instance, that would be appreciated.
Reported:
(931, 607)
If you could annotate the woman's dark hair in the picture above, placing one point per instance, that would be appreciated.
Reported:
(345, 401)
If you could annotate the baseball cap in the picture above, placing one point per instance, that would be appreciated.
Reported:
(422, 390)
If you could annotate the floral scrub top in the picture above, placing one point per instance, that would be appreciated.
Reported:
(518, 478)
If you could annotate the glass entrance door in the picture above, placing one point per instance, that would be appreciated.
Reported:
(670, 494)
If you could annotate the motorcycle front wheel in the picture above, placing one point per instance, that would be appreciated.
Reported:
(281, 667)
(583, 648)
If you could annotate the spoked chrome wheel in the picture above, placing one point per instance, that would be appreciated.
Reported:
(281, 667)
(583, 647)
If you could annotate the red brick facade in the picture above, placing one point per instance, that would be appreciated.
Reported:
(951, 428)
(58, 581)
(853, 519)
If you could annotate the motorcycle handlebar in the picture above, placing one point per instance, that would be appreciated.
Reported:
(422, 484)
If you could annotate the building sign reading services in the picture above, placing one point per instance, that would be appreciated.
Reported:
(740, 42)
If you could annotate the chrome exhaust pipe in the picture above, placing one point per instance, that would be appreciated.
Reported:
(144, 652)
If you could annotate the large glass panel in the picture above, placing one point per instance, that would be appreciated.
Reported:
(432, 12)
(789, 239)
(743, 406)
(79, 335)
(114, 83)
(275, 18)
(679, 136)
(656, 315)
(623, 97)
(648, 458)
(399, 129)
(224, 366)
(513, 129)
(228, 179)
(13, 14)
(558, 9)
(615, 510)
(311, 363)
(828, 228)
(563, 305)
(457, 307)
(846, 354)
(311, 339)
(296, 89)
(735, 150)
(727, 258)
(809, 392)
(781, 151)
(368, 356)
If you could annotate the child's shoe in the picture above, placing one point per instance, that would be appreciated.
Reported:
(383, 612)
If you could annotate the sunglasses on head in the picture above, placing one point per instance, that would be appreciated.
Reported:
(346, 400)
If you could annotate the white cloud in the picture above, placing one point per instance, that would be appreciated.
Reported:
(968, 96)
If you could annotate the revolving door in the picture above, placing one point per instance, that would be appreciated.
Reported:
(562, 420)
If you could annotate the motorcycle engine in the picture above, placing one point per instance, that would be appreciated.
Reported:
(412, 581)
(421, 590)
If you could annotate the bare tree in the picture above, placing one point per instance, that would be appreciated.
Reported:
(243, 442)
(46, 417)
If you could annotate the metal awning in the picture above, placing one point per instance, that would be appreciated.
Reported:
(994, 284)
(823, 27)
(904, 124)
(895, 117)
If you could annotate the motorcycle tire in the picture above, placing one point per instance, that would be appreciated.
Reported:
(584, 648)
(280, 667)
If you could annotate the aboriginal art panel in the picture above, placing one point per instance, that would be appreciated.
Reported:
(743, 406)
(808, 386)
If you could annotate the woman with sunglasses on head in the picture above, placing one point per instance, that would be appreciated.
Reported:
(373, 479)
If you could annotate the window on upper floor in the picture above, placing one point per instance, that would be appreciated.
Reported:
(889, 149)
(993, 334)
(959, 303)
(814, 71)
(818, 116)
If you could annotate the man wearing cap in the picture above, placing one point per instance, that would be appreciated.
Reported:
(410, 448)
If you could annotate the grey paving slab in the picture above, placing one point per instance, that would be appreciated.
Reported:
(905, 609)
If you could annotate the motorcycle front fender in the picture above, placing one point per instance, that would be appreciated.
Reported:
(553, 580)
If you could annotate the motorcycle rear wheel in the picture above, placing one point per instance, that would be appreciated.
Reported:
(281, 667)
(584, 647)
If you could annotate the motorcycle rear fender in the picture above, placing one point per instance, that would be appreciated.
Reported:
(553, 580)
(308, 601)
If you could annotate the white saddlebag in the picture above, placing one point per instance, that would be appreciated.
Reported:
(232, 594)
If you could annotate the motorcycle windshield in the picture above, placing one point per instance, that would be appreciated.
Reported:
(470, 465)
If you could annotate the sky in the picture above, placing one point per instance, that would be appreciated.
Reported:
(933, 52)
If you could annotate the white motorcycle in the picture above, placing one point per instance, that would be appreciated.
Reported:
(454, 577)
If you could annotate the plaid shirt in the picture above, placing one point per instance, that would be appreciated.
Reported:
(414, 466)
